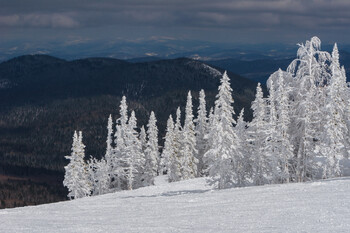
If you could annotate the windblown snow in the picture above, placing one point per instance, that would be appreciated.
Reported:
(193, 206)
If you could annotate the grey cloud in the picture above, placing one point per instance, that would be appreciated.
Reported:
(187, 16)
(182, 13)
(54, 20)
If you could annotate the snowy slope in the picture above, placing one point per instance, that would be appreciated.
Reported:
(192, 206)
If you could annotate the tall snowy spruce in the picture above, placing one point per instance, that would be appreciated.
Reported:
(245, 171)
(333, 141)
(169, 161)
(152, 151)
(273, 143)
(188, 151)
(76, 177)
(224, 157)
(258, 134)
(175, 166)
(109, 149)
(285, 149)
(118, 164)
(133, 158)
(201, 129)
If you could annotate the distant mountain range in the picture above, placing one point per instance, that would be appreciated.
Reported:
(43, 99)
(259, 70)
(162, 47)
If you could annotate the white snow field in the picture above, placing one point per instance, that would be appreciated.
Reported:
(192, 206)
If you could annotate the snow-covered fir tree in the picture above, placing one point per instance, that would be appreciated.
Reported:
(152, 151)
(91, 168)
(174, 168)
(109, 149)
(134, 158)
(285, 149)
(201, 129)
(102, 178)
(76, 177)
(168, 154)
(333, 142)
(118, 175)
(188, 143)
(224, 155)
(245, 162)
(272, 149)
(258, 134)
(98, 176)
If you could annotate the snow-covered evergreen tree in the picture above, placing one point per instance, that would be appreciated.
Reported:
(258, 133)
(98, 176)
(102, 177)
(109, 141)
(285, 150)
(91, 168)
(134, 158)
(201, 129)
(76, 172)
(210, 143)
(109, 149)
(118, 175)
(152, 151)
(272, 144)
(310, 75)
(245, 171)
(175, 161)
(118, 160)
(188, 150)
(333, 142)
(224, 155)
(168, 154)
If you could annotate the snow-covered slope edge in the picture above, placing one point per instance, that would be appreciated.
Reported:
(192, 206)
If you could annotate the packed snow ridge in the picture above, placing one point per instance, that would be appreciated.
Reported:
(193, 206)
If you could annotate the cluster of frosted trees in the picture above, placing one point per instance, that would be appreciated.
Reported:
(299, 132)
(131, 160)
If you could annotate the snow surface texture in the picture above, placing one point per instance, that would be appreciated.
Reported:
(192, 206)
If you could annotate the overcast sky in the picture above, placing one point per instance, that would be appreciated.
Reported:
(241, 21)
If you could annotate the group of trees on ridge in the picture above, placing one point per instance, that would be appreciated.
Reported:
(299, 132)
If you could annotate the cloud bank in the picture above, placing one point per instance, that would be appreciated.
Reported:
(192, 16)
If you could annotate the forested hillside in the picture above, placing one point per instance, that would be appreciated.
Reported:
(44, 99)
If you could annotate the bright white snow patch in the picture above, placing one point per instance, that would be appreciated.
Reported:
(205, 67)
(212, 71)
(192, 206)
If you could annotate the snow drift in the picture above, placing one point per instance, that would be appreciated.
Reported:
(193, 206)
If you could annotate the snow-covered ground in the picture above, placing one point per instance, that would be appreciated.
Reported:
(192, 206)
